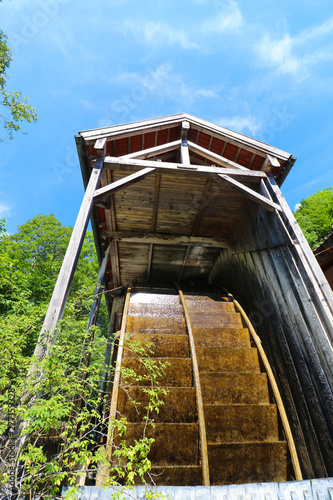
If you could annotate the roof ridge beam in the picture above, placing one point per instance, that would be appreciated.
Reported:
(209, 155)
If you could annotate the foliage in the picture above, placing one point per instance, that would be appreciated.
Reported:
(315, 216)
(16, 106)
(65, 416)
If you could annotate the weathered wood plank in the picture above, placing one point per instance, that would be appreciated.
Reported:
(270, 163)
(277, 395)
(201, 171)
(219, 160)
(155, 203)
(126, 181)
(154, 151)
(184, 152)
(319, 281)
(166, 239)
(249, 193)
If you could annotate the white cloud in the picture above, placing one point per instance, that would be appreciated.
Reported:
(229, 17)
(243, 124)
(279, 54)
(5, 209)
(297, 55)
(158, 33)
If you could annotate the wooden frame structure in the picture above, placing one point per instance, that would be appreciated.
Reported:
(180, 199)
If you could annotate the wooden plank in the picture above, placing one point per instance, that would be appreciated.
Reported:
(183, 264)
(219, 160)
(154, 151)
(249, 193)
(115, 263)
(166, 239)
(200, 408)
(314, 388)
(270, 163)
(100, 279)
(100, 146)
(155, 203)
(184, 152)
(126, 181)
(61, 290)
(149, 261)
(201, 208)
(167, 167)
(315, 273)
(277, 396)
(110, 217)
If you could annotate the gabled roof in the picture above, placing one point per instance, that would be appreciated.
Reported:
(172, 190)
(234, 146)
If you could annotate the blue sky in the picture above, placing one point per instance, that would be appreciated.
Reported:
(260, 67)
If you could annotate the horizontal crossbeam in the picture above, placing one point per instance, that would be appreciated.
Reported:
(165, 239)
(245, 175)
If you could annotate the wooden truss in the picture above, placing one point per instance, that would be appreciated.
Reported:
(223, 169)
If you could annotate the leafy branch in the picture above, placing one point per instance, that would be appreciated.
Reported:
(16, 106)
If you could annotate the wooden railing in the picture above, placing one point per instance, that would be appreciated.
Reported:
(275, 389)
(201, 416)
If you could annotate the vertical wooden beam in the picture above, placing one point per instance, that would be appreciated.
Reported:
(155, 205)
(184, 152)
(149, 260)
(115, 263)
(58, 300)
(96, 300)
(252, 160)
(110, 217)
(201, 207)
(237, 155)
(181, 272)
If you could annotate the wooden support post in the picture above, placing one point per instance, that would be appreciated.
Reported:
(184, 152)
(100, 279)
(270, 163)
(149, 261)
(95, 305)
(61, 290)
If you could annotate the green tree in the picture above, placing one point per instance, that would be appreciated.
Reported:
(15, 106)
(315, 216)
(65, 411)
